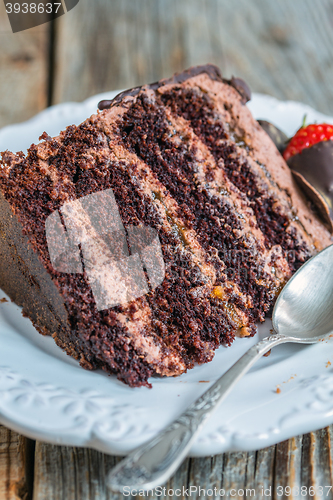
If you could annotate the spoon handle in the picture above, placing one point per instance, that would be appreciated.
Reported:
(154, 462)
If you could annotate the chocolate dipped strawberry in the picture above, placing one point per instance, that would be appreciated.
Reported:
(309, 154)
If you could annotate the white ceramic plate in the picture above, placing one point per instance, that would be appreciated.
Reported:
(46, 395)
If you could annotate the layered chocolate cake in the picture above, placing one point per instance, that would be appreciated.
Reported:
(184, 158)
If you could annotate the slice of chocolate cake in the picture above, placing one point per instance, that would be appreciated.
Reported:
(156, 230)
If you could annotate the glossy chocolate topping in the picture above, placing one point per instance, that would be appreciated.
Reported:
(315, 166)
(212, 71)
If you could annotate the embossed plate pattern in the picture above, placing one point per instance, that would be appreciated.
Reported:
(46, 395)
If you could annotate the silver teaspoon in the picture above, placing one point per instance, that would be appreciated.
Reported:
(303, 313)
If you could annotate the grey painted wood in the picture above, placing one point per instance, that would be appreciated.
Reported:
(275, 472)
(281, 47)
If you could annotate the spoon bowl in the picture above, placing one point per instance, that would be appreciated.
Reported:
(304, 309)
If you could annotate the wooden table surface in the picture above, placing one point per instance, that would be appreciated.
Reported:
(281, 47)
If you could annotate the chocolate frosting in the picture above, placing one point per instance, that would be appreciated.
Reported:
(313, 168)
(212, 71)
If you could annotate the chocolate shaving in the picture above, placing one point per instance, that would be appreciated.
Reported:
(106, 104)
(316, 199)
(315, 168)
(242, 88)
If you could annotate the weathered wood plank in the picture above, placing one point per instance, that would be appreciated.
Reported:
(250, 480)
(280, 47)
(287, 469)
(275, 472)
(16, 457)
(67, 472)
(264, 472)
(204, 476)
(234, 472)
(24, 71)
(71, 473)
(126, 43)
(316, 467)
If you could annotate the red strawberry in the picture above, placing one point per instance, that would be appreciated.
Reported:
(306, 137)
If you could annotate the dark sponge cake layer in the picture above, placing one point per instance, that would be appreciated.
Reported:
(185, 157)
